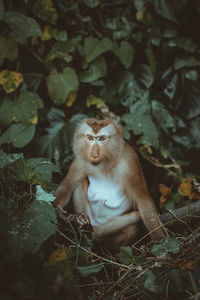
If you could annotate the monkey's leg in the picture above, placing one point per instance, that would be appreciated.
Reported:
(119, 231)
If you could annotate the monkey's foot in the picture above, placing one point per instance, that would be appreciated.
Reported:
(81, 219)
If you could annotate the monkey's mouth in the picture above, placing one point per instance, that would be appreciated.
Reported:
(95, 161)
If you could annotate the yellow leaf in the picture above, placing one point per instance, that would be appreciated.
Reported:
(57, 256)
(92, 100)
(186, 187)
(47, 33)
(10, 80)
(34, 120)
(166, 194)
(71, 98)
(48, 11)
(140, 14)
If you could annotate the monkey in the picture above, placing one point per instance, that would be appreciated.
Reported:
(106, 183)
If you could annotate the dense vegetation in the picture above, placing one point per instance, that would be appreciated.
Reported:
(135, 61)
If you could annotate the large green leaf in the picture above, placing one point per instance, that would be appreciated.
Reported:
(26, 232)
(60, 84)
(24, 109)
(97, 69)
(94, 48)
(162, 116)
(8, 49)
(19, 135)
(125, 53)
(142, 125)
(151, 282)
(40, 168)
(144, 75)
(22, 26)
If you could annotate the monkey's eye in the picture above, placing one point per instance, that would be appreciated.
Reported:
(90, 137)
(101, 138)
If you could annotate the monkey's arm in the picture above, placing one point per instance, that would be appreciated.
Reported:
(137, 191)
(116, 224)
(67, 186)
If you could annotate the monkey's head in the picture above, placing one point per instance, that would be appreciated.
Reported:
(98, 141)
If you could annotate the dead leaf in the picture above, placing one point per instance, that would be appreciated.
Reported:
(166, 194)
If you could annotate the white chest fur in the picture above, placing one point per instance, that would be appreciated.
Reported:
(105, 200)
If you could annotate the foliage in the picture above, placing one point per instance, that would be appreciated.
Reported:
(62, 61)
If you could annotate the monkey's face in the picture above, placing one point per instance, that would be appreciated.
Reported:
(97, 140)
(96, 146)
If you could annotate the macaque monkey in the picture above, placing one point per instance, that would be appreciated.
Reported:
(106, 183)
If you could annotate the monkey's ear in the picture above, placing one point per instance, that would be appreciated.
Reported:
(119, 130)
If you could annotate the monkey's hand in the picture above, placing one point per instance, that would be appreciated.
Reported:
(56, 204)
(81, 219)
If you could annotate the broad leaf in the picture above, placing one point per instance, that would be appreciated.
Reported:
(90, 269)
(142, 124)
(40, 168)
(144, 75)
(94, 48)
(97, 69)
(60, 84)
(22, 26)
(162, 116)
(125, 53)
(18, 134)
(24, 109)
(8, 49)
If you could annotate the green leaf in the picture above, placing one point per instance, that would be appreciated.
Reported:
(151, 282)
(94, 48)
(31, 229)
(91, 3)
(1, 9)
(46, 11)
(144, 75)
(130, 91)
(60, 84)
(171, 87)
(142, 124)
(90, 269)
(189, 61)
(165, 9)
(192, 75)
(126, 255)
(41, 195)
(162, 116)
(125, 53)
(55, 141)
(18, 134)
(164, 246)
(92, 100)
(186, 44)
(176, 281)
(40, 168)
(22, 26)
(61, 50)
(151, 59)
(9, 159)
(97, 69)
(24, 109)
(8, 49)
